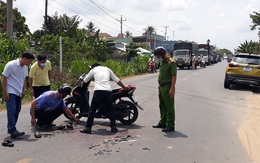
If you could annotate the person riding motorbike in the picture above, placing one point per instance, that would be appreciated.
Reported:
(152, 61)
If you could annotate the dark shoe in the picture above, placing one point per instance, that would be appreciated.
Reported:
(114, 129)
(7, 143)
(159, 126)
(86, 130)
(168, 129)
(60, 127)
(16, 134)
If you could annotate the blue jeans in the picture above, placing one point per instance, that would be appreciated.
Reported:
(13, 106)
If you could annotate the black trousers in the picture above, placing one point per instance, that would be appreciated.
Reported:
(45, 116)
(101, 97)
(38, 90)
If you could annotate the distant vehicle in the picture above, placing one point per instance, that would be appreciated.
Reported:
(204, 53)
(215, 58)
(182, 54)
(243, 69)
(209, 52)
(219, 58)
(229, 57)
(225, 57)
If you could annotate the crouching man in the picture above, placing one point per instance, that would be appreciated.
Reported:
(49, 106)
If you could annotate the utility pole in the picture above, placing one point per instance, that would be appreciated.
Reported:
(121, 24)
(165, 32)
(9, 18)
(45, 17)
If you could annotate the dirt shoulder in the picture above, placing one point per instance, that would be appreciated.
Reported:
(249, 131)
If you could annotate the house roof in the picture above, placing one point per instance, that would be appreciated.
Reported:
(106, 35)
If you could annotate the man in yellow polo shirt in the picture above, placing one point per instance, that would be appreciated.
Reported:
(40, 76)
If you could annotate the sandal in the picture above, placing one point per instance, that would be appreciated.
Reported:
(7, 143)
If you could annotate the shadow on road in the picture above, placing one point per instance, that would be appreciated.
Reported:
(175, 134)
(240, 87)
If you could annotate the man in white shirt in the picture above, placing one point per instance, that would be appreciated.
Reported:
(14, 88)
(102, 94)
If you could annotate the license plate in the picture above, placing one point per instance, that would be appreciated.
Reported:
(247, 69)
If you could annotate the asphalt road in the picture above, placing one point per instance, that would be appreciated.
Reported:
(207, 119)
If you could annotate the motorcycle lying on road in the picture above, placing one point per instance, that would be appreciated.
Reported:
(125, 110)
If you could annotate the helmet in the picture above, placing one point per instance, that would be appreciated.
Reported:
(159, 51)
(65, 88)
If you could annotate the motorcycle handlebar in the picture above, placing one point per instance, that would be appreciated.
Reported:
(130, 87)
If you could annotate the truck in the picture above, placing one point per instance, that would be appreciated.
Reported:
(183, 52)
(204, 52)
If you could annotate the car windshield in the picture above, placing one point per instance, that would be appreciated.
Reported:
(181, 52)
(247, 59)
(204, 53)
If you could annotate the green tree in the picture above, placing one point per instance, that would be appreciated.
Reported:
(255, 20)
(148, 33)
(91, 29)
(19, 26)
(247, 47)
(223, 51)
(131, 50)
(98, 48)
(62, 25)
(128, 34)
(69, 25)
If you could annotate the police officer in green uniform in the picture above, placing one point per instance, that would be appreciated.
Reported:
(166, 80)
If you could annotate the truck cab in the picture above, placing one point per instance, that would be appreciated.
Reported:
(182, 58)
(204, 54)
(183, 53)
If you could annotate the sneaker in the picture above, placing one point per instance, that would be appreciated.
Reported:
(86, 130)
(16, 134)
(114, 129)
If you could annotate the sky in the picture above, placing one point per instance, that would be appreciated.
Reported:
(226, 23)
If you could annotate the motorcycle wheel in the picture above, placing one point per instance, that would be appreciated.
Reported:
(149, 70)
(73, 107)
(130, 115)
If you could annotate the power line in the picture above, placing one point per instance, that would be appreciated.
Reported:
(101, 9)
(89, 18)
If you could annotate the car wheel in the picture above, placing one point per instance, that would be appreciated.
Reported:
(226, 83)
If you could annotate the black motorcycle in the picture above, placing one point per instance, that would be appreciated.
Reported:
(126, 111)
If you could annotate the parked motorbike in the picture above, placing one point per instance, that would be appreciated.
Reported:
(125, 110)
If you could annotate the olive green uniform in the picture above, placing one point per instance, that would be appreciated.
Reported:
(166, 103)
